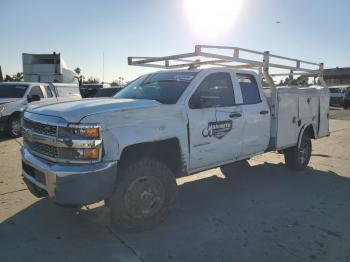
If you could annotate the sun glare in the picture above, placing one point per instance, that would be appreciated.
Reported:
(212, 17)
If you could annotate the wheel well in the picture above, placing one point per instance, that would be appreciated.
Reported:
(310, 131)
(15, 114)
(168, 151)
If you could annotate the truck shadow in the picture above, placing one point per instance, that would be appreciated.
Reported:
(265, 213)
(4, 136)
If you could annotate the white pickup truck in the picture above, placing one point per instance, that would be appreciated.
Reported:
(16, 96)
(129, 150)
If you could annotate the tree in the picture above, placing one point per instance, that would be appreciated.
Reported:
(114, 83)
(8, 78)
(77, 71)
(14, 78)
(92, 80)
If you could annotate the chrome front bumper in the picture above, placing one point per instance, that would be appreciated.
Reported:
(69, 184)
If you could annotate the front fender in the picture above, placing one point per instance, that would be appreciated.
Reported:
(131, 127)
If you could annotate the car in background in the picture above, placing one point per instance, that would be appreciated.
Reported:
(346, 102)
(89, 90)
(107, 92)
(16, 96)
(337, 95)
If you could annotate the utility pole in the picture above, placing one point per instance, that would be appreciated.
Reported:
(1, 77)
(103, 67)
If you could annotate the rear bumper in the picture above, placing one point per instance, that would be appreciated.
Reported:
(73, 185)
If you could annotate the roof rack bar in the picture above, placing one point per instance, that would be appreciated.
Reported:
(158, 59)
(297, 73)
(199, 47)
(235, 60)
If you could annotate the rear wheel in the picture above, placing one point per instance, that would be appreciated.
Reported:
(298, 157)
(14, 126)
(144, 196)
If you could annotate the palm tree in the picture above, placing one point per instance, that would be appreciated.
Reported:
(77, 70)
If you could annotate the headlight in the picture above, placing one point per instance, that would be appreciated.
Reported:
(76, 131)
(89, 154)
(2, 108)
(86, 142)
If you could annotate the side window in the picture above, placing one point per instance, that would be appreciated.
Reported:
(216, 90)
(36, 90)
(48, 91)
(249, 89)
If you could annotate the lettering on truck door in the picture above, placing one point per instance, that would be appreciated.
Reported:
(215, 121)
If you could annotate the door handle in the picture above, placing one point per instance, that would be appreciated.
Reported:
(264, 112)
(235, 115)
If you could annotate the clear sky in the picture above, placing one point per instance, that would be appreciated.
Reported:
(316, 30)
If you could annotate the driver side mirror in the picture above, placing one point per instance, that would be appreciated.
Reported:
(33, 98)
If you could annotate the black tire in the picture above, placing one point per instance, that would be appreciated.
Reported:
(298, 157)
(14, 126)
(346, 106)
(234, 168)
(144, 195)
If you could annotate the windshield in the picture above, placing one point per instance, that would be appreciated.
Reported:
(335, 90)
(106, 92)
(12, 91)
(164, 87)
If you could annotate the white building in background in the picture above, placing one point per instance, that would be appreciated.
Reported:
(47, 68)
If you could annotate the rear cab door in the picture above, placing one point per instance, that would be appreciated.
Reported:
(50, 96)
(256, 113)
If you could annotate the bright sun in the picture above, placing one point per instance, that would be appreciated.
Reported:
(212, 17)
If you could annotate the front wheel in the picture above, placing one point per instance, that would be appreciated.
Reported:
(14, 126)
(298, 157)
(144, 196)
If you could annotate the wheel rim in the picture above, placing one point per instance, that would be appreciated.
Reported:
(15, 126)
(303, 153)
(144, 197)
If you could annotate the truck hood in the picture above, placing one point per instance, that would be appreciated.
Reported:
(74, 111)
(8, 100)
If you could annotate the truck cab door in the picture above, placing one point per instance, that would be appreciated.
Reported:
(256, 111)
(49, 94)
(35, 91)
(215, 122)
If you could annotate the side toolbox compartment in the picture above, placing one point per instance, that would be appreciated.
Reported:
(287, 122)
(323, 128)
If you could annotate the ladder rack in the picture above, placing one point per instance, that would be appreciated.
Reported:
(214, 55)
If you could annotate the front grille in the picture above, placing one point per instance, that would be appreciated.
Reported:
(40, 128)
(43, 149)
(36, 174)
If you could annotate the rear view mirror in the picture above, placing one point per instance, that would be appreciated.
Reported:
(33, 98)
